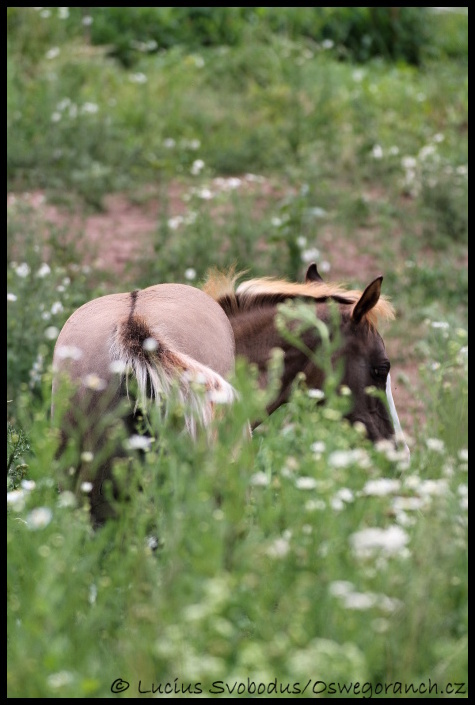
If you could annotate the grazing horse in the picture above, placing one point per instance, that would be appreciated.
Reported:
(252, 309)
(177, 337)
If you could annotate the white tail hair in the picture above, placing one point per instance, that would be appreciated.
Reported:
(160, 372)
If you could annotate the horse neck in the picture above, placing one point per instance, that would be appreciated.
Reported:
(256, 336)
(255, 333)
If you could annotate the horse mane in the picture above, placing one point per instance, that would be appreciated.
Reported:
(253, 293)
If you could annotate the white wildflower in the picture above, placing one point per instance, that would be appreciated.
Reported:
(23, 270)
(60, 679)
(94, 382)
(305, 483)
(44, 270)
(318, 447)
(51, 333)
(11, 297)
(118, 367)
(377, 152)
(67, 500)
(390, 541)
(435, 444)
(69, 351)
(190, 273)
(138, 78)
(259, 479)
(150, 344)
(197, 167)
(89, 109)
(136, 442)
(344, 458)
(381, 486)
(279, 548)
(39, 518)
(310, 255)
(52, 53)
(16, 499)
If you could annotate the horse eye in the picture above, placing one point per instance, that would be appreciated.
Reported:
(380, 372)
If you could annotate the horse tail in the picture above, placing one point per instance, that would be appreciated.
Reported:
(160, 371)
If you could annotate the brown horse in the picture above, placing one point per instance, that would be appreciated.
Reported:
(176, 337)
(252, 309)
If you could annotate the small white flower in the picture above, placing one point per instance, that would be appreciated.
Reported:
(317, 447)
(279, 548)
(52, 53)
(175, 222)
(305, 483)
(150, 344)
(67, 500)
(259, 479)
(381, 487)
(51, 333)
(86, 487)
(39, 518)
(136, 442)
(69, 351)
(344, 458)
(463, 455)
(390, 541)
(197, 167)
(87, 456)
(118, 367)
(205, 193)
(60, 679)
(138, 78)
(327, 43)
(23, 270)
(87, 20)
(28, 485)
(44, 270)
(89, 109)
(169, 143)
(377, 152)
(443, 325)
(435, 444)
(358, 75)
(57, 307)
(16, 499)
(338, 588)
(310, 255)
(316, 394)
(94, 382)
(409, 162)
(190, 273)
(11, 297)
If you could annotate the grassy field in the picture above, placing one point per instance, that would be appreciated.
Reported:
(305, 562)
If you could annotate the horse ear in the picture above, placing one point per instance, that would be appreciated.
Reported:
(312, 274)
(369, 299)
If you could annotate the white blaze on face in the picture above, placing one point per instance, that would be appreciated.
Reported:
(400, 440)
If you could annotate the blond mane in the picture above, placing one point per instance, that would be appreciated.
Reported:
(221, 286)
